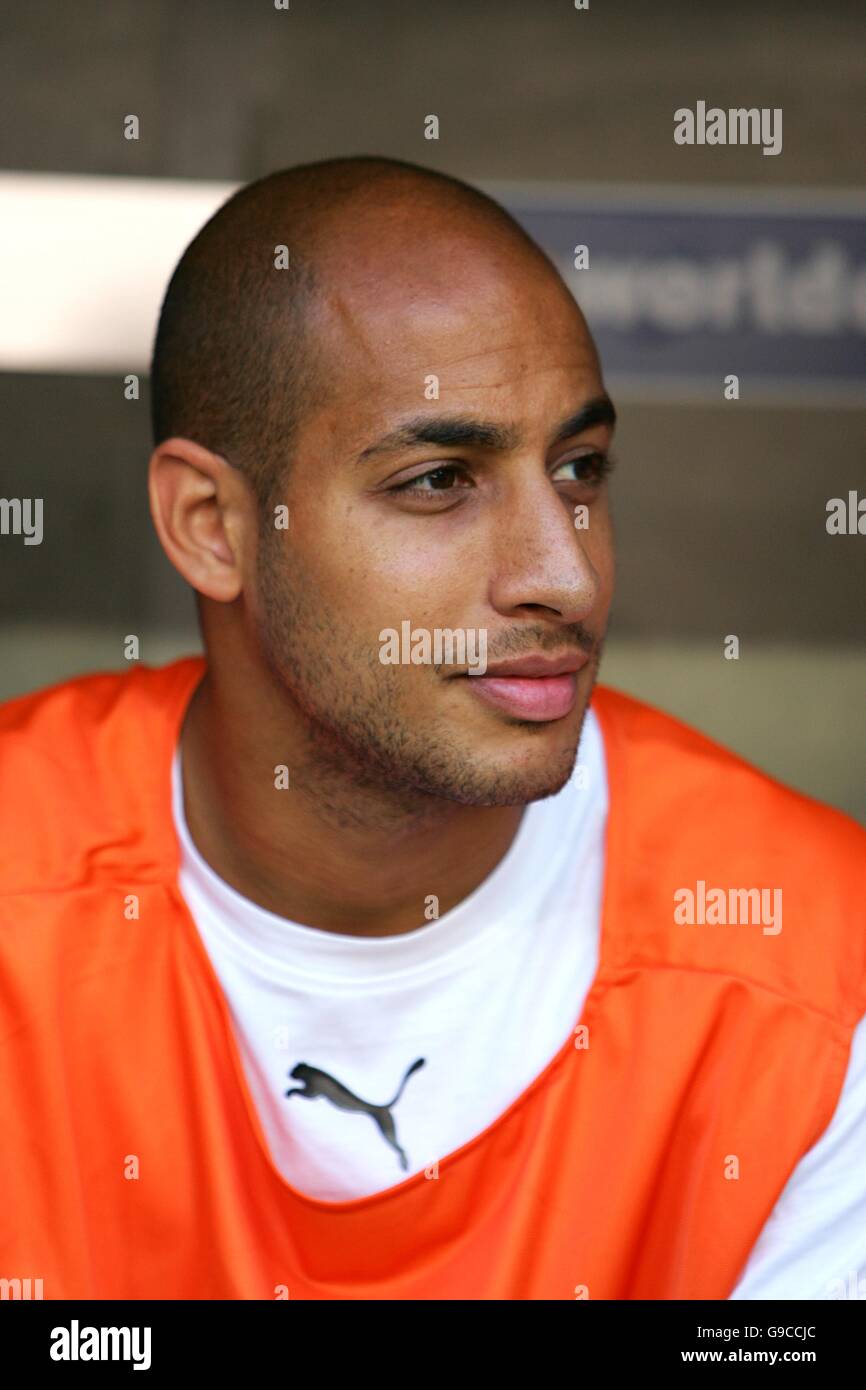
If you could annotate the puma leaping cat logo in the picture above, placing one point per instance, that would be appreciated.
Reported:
(319, 1083)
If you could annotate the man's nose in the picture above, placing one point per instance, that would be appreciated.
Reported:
(541, 558)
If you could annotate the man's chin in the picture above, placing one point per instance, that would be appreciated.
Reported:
(515, 763)
(501, 783)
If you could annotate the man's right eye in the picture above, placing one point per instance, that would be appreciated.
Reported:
(440, 479)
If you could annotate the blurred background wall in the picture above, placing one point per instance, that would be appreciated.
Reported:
(720, 506)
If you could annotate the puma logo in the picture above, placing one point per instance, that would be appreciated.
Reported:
(319, 1083)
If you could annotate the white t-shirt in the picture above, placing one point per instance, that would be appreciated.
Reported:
(405, 1047)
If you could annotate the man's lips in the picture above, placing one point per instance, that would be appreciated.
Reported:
(533, 688)
(542, 666)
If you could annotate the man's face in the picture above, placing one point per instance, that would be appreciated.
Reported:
(476, 534)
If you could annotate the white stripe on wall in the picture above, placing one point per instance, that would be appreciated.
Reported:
(84, 264)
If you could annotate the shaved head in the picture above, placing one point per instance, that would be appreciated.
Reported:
(237, 356)
(420, 394)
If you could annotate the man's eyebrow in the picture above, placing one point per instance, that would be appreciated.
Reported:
(454, 431)
(598, 411)
(445, 430)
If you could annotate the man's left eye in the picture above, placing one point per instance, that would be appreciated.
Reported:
(588, 468)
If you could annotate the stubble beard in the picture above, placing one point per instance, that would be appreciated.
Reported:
(365, 757)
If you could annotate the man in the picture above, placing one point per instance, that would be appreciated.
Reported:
(366, 958)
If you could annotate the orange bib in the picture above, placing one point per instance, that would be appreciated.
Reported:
(641, 1163)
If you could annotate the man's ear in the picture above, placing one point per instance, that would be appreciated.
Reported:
(204, 514)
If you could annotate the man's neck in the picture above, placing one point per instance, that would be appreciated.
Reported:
(326, 852)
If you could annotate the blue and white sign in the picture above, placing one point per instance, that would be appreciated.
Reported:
(684, 286)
